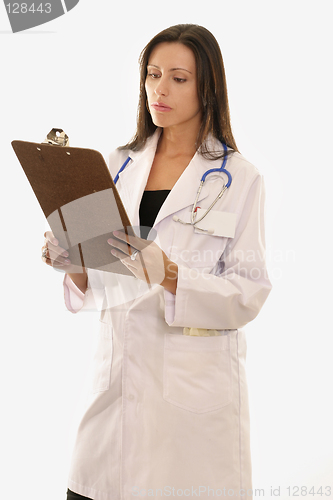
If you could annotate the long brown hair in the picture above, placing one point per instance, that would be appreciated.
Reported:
(211, 84)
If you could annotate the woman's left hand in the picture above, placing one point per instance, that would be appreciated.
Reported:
(150, 264)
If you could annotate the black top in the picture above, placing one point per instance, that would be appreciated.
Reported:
(149, 207)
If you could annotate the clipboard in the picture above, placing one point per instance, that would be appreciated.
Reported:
(79, 199)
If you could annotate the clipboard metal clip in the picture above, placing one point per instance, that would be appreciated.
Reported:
(57, 137)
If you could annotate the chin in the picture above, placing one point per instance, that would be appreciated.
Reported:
(159, 122)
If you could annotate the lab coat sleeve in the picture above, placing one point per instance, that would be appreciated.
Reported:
(94, 299)
(236, 289)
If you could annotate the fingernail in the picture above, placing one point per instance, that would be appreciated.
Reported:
(110, 241)
(65, 254)
(55, 242)
(116, 233)
(67, 261)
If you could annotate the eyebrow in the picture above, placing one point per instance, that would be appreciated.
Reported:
(172, 69)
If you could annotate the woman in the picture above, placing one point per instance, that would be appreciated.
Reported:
(168, 413)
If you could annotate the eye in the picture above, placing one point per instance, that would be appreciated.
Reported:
(153, 75)
(180, 80)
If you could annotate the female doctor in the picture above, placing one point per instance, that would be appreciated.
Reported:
(168, 414)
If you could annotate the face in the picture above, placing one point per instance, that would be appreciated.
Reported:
(171, 87)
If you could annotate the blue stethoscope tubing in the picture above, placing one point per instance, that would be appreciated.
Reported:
(202, 181)
(115, 180)
(221, 169)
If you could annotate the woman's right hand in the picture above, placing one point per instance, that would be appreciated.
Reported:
(53, 255)
(57, 257)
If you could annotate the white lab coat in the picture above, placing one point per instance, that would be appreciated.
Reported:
(168, 414)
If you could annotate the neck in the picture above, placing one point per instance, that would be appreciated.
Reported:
(176, 141)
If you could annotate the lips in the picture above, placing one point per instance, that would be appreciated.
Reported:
(160, 106)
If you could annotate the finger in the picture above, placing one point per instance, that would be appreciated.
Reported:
(123, 247)
(53, 244)
(55, 250)
(133, 265)
(54, 261)
(53, 255)
(134, 241)
(120, 255)
(48, 235)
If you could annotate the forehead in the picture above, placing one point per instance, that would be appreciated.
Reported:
(168, 55)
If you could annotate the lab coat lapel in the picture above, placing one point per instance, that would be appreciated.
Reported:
(185, 190)
(134, 178)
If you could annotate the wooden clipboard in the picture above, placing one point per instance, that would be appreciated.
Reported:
(79, 199)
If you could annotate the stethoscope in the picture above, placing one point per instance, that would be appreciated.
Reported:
(195, 221)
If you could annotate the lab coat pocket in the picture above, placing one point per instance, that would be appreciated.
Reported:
(103, 359)
(197, 372)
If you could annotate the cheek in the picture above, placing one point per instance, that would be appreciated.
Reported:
(190, 99)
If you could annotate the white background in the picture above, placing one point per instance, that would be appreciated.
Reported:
(80, 73)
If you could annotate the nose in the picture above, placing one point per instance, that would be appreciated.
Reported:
(161, 87)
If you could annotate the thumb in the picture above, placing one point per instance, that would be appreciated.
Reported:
(51, 238)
